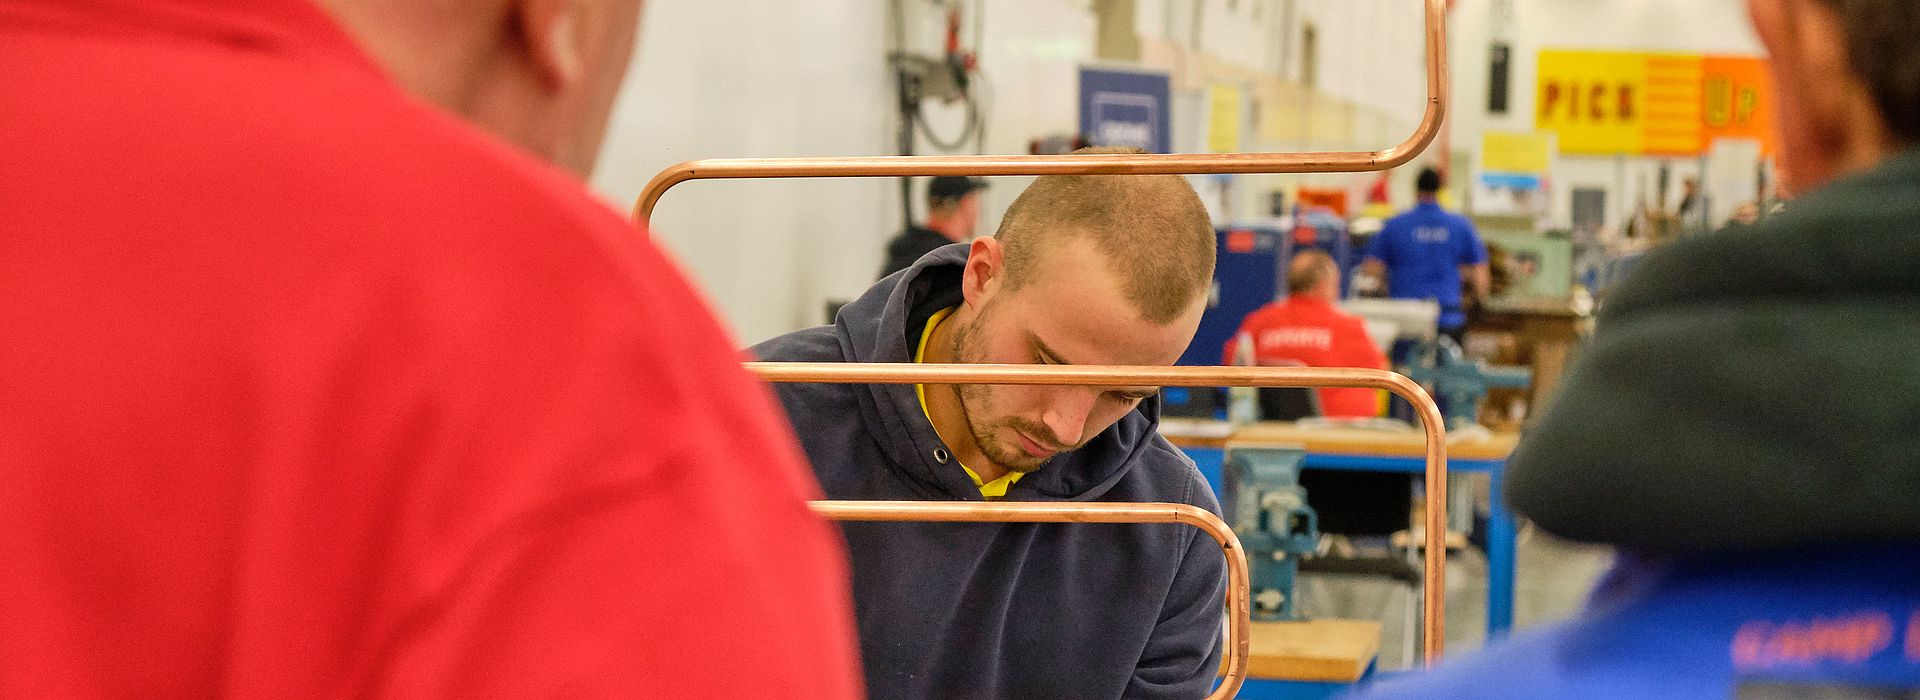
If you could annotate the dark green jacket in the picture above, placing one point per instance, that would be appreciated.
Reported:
(1751, 390)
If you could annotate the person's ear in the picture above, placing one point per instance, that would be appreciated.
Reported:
(1819, 98)
(985, 271)
(551, 33)
(1766, 16)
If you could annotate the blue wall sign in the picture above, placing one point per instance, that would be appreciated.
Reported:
(1126, 108)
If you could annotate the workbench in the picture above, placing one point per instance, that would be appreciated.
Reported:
(1308, 660)
(1374, 450)
(1543, 334)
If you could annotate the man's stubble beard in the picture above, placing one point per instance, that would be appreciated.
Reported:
(978, 398)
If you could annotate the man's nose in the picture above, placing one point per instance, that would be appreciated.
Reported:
(1066, 416)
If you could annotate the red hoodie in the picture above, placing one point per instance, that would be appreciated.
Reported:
(1304, 331)
(309, 390)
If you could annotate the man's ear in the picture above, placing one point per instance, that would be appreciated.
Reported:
(1819, 98)
(1767, 17)
(550, 32)
(985, 271)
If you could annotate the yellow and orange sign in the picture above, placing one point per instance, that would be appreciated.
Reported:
(1611, 102)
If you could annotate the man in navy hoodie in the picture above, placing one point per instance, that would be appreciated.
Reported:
(1099, 270)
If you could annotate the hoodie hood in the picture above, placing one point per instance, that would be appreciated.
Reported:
(884, 325)
(1748, 390)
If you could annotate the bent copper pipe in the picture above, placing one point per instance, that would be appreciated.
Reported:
(1433, 617)
(1238, 606)
(1091, 164)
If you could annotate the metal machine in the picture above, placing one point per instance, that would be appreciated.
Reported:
(1268, 510)
(1458, 383)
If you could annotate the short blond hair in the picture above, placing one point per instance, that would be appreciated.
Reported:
(1152, 228)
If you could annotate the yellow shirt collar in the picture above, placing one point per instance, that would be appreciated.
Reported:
(990, 490)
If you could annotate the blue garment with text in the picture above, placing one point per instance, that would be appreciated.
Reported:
(1834, 622)
(1423, 250)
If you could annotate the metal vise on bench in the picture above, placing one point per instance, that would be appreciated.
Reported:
(1458, 383)
(1268, 510)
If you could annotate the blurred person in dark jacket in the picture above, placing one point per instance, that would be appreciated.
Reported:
(1742, 427)
(953, 212)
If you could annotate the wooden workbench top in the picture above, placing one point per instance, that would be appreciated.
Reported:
(1336, 440)
(1319, 651)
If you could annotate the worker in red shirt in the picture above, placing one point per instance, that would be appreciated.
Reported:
(317, 382)
(1304, 329)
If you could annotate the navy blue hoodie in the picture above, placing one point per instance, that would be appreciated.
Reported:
(990, 610)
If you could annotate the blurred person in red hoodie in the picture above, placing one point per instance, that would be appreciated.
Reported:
(318, 382)
(1306, 329)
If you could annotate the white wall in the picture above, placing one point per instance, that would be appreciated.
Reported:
(733, 78)
(1032, 56)
(1243, 32)
(1369, 75)
(1372, 53)
(723, 78)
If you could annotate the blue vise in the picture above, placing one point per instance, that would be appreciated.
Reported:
(1268, 510)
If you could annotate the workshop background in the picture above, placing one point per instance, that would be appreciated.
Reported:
(1577, 129)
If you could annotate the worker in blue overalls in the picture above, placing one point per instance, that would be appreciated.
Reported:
(1742, 425)
(1425, 252)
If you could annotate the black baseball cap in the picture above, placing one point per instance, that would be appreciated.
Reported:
(953, 187)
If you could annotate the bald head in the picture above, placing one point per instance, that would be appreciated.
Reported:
(1152, 230)
(542, 74)
(1313, 273)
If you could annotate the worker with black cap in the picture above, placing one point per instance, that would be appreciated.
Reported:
(953, 209)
